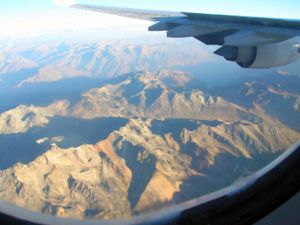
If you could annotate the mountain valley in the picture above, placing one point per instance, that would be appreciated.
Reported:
(139, 142)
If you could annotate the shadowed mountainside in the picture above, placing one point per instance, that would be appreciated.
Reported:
(172, 143)
(134, 170)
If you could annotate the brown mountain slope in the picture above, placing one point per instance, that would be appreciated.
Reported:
(73, 183)
(158, 95)
(135, 169)
(57, 60)
(148, 95)
(22, 118)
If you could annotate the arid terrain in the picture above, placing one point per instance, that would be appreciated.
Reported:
(110, 131)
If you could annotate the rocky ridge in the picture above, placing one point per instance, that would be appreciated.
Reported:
(133, 169)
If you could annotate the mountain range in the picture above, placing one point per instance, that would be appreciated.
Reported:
(176, 141)
(59, 60)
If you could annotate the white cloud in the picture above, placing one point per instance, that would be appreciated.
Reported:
(64, 2)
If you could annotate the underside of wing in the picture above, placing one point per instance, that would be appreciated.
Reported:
(210, 29)
(250, 21)
(252, 42)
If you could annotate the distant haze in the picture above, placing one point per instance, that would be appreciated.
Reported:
(64, 2)
(35, 16)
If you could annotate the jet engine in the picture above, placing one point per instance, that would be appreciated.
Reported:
(265, 56)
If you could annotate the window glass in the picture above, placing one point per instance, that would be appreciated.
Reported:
(104, 120)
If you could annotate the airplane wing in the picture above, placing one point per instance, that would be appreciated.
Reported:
(252, 42)
(151, 15)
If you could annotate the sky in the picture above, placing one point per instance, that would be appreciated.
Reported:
(35, 16)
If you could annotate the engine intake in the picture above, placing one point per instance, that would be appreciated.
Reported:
(265, 56)
(244, 56)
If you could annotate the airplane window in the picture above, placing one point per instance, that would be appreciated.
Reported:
(101, 119)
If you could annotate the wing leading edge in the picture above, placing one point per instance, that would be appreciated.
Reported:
(151, 15)
(244, 39)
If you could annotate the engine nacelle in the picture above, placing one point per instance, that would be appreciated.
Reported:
(265, 56)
